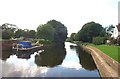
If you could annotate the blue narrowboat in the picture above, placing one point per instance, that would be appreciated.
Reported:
(26, 46)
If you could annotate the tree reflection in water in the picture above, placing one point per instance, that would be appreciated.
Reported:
(51, 56)
(6, 54)
(86, 59)
(24, 54)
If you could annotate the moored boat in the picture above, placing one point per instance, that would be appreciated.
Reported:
(27, 46)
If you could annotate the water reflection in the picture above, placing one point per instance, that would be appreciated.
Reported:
(50, 62)
(51, 56)
(6, 54)
(24, 54)
(22, 69)
(85, 59)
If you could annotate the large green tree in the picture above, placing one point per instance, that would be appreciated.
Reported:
(53, 31)
(90, 30)
(60, 34)
(46, 32)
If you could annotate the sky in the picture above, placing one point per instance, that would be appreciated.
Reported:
(29, 14)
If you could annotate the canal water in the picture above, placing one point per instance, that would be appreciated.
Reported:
(50, 62)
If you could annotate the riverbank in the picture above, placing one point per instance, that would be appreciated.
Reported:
(110, 50)
(106, 65)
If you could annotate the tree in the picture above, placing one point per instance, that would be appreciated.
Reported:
(25, 33)
(72, 36)
(60, 33)
(76, 37)
(53, 31)
(18, 33)
(8, 30)
(90, 30)
(46, 32)
(103, 33)
(32, 34)
(109, 30)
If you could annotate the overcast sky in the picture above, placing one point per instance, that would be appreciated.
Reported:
(29, 14)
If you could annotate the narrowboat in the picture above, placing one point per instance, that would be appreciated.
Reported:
(26, 46)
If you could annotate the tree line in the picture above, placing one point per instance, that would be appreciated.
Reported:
(53, 32)
(92, 32)
(56, 33)
(11, 31)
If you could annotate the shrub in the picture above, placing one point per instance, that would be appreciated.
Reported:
(99, 40)
(42, 41)
(118, 40)
(113, 41)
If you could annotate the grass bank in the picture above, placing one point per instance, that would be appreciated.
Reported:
(112, 51)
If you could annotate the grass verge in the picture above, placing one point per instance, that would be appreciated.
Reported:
(112, 51)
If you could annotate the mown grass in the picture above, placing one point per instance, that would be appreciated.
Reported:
(112, 51)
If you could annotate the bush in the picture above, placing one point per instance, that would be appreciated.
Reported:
(113, 41)
(99, 40)
(118, 40)
(42, 41)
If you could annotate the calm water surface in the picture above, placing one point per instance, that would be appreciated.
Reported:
(50, 62)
